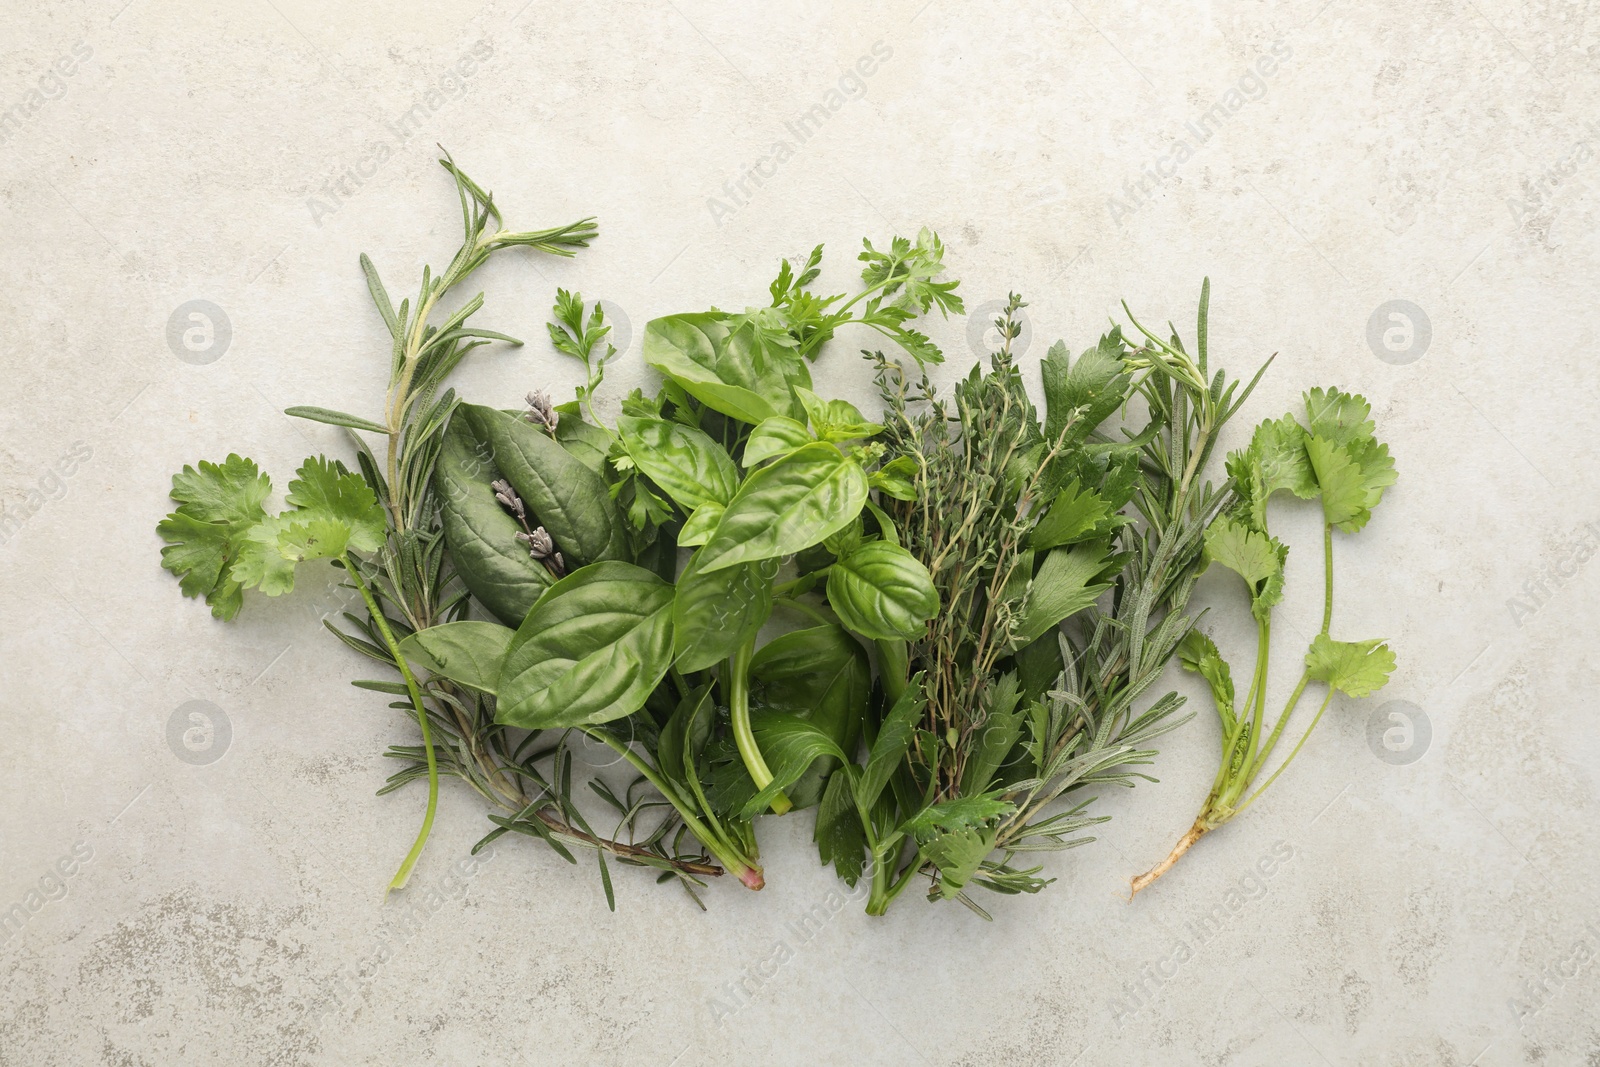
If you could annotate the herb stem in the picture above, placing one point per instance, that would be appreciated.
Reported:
(719, 845)
(404, 873)
(743, 735)
(1296, 751)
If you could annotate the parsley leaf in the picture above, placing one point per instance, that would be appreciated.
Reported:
(332, 511)
(217, 505)
(1355, 668)
(1253, 556)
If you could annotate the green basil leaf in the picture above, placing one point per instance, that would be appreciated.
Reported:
(481, 537)
(731, 372)
(697, 530)
(568, 499)
(836, 420)
(881, 591)
(791, 745)
(793, 504)
(468, 652)
(591, 650)
(684, 735)
(897, 478)
(773, 438)
(687, 463)
(713, 614)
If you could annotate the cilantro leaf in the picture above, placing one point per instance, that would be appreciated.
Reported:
(329, 491)
(1253, 556)
(260, 565)
(217, 505)
(332, 511)
(1276, 460)
(1198, 653)
(1338, 416)
(1351, 477)
(1355, 668)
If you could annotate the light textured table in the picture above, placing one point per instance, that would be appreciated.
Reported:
(1317, 160)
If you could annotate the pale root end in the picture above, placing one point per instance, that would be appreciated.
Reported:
(1196, 832)
(751, 877)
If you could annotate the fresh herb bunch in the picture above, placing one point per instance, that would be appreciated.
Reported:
(569, 532)
(1026, 685)
(383, 527)
(1333, 456)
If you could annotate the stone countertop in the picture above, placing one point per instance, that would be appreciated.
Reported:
(1399, 201)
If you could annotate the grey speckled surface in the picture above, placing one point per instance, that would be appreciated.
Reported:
(1440, 911)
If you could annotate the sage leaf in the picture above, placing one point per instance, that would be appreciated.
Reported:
(481, 537)
(568, 499)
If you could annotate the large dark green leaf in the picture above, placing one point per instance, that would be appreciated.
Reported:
(793, 504)
(481, 537)
(713, 614)
(820, 675)
(590, 651)
(568, 499)
(731, 372)
(881, 591)
(688, 464)
(791, 746)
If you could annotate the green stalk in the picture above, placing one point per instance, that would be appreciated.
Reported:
(743, 735)
(894, 666)
(404, 873)
(736, 863)
(1327, 575)
(1294, 698)
(1296, 751)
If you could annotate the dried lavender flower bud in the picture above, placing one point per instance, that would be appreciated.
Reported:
(508, 498)
(540, 544)
(541, 412)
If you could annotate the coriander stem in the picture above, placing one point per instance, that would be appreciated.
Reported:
(739, 715)
(404, 873)
(1327, 575)
(1295, 752)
